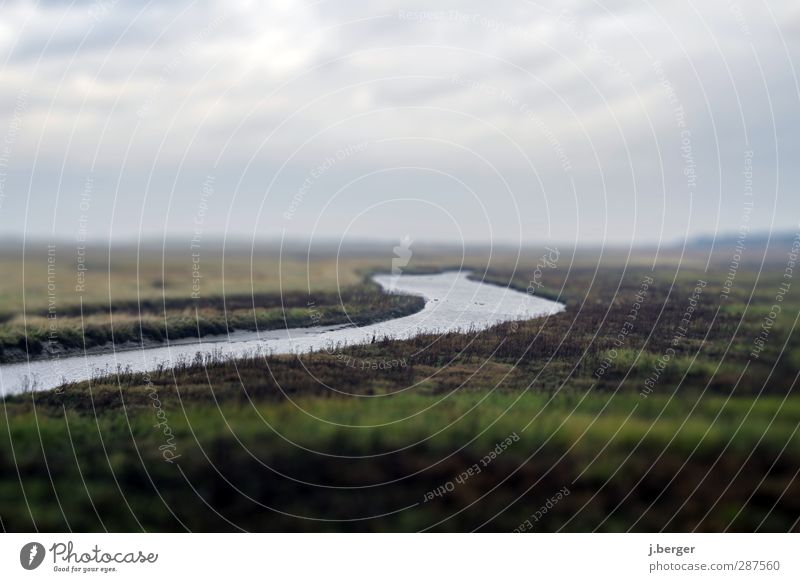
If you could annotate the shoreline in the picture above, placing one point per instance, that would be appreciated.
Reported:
(20, 356)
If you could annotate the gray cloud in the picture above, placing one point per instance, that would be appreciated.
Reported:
(559, 119)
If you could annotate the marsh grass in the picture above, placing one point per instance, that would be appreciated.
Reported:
(249, 444)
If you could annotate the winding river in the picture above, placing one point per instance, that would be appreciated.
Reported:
(452, 303)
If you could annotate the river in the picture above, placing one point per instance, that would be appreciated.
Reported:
(452, 303)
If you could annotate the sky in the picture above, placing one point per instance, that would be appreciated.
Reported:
(510, 122)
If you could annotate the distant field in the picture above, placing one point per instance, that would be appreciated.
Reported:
(679, 422)
(57, 302)
(146, 295)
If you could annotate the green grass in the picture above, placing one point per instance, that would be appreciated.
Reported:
(251, 444)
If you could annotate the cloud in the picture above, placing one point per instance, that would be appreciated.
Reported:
(575, 102)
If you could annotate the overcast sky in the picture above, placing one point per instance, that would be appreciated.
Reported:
(506, 121)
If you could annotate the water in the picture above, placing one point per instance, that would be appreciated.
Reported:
(452, 303)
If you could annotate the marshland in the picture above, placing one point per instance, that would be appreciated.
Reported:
(661, 398)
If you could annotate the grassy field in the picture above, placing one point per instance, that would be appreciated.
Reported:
(127, 296)
(663, 398)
